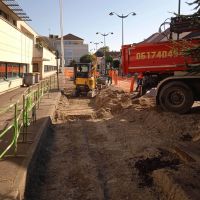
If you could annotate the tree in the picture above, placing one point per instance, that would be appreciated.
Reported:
(106, 48)
(88, 58)
(116, 64)
(99, 53)
(197, 6)
(195, 52)
(109, 59)
(72, 63)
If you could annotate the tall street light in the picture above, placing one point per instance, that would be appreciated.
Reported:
(122, 17)
(96, 44)
(104, 39)
(61, 31)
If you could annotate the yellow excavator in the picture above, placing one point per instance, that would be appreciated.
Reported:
(84, 79)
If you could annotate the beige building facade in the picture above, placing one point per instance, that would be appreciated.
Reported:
(20, 52)
(74, 47)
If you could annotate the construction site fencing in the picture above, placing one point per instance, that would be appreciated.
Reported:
(21, 114)
(126, 83)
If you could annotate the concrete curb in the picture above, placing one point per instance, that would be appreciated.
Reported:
(22, 176)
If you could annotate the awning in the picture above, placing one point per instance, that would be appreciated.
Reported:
(14, 6)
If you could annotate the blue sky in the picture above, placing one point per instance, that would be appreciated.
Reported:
(86, 17)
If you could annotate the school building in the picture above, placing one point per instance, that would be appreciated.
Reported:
(22, 50)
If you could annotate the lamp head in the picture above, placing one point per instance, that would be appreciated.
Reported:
(112, 33)
(133, 13)
(97, 33)
(111, 14)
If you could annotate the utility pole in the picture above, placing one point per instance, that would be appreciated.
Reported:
(61, 31)
(122, 17)
(104, 39)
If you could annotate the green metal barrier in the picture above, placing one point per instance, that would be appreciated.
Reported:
(25, 113)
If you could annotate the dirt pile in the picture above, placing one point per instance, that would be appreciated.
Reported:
(143, 103)
(111, 101)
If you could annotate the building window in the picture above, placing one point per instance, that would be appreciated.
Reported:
(67, 42)
(35, 67)
(49, 68)
(2, 71)
(22, 69)
(68, 53)
(13, 70)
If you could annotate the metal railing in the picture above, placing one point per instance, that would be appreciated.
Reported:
(22, 113)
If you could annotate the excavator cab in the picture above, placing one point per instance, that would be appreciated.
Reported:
(84, 79)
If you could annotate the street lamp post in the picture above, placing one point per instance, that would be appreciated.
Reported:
(91, 51)
(96, 44)
(104, 39)
(61, 30)
(122, 17)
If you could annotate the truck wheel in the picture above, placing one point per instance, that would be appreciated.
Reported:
(176, 97)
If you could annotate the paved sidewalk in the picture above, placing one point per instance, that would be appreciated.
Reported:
(11, 97)
(14, 170)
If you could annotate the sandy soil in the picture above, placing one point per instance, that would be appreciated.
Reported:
(112, 148)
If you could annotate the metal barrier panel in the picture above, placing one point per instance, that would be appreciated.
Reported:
(23, 113)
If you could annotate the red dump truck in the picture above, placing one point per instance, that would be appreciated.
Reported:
(165, 66)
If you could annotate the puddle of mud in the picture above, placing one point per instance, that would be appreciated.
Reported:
(145, 166)
(186, 137)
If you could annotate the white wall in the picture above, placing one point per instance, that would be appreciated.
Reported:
(51, 57)
(15, 46)
(48, 59)
(10, 84)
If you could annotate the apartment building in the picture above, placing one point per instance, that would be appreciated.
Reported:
(74, 47)
(21, 48)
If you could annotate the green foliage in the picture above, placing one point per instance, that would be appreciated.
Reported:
(109, 59)
(72, 63)
(88, 58)
(194, 53)
(116, 64)
(197, 5)
(99, 53)
(106, 48)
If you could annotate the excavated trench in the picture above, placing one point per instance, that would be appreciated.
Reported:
(107, 149)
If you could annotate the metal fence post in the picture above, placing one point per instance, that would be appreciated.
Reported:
(16, 129)
(24, 120)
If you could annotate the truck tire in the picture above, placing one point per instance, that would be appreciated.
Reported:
(176, 97)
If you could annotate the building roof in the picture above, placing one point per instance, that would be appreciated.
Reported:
(158, 37)
(70, 37)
